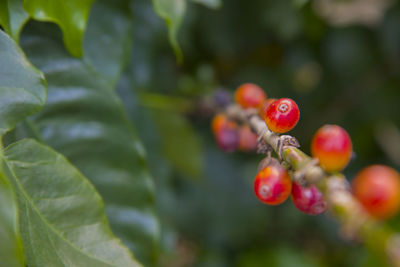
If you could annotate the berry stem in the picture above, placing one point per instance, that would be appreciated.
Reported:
(354, 220)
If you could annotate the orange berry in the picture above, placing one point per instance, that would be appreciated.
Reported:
(377, 187)
(249, 95)
(332, 146)
(218, 122)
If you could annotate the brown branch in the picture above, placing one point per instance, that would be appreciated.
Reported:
(355, 222)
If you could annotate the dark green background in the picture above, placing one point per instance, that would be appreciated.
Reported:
(350, 77)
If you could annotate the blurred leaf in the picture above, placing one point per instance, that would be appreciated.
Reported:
(214, 4)
(299, 3)
(62, 223)
(84, 120)
(11, 249)
(278, 257)
(181, 144)
(172, 11)
(22, 87)
(286, 11)
(12, 17)
(70, 15)
(108, 39)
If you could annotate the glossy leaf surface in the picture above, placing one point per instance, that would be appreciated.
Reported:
(70, 15)
(85, 121)
(62, 217)
(13, 17)
(172, 11)
(22, 87)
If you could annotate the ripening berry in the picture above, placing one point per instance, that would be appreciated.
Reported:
(220, 121)
(264, 107)
(272, 185)
(282, 115)
(249, 95)
(227, 138)
(248, 140)
(332, 146)
(377, 187)
(308, 199)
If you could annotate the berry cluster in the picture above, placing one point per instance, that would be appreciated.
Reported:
(376, 187)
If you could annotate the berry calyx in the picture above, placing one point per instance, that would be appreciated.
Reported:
(308, 199)
(272, 185)
(377, 187)
(249, 95)
(248, 140)
(264, 107)
(282, 115)
(332, 146)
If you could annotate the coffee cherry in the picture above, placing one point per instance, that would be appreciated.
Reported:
(264, 107)
(247, 139)
(220, 121)
(377, 187)
(250, 95)
(282, 115)
(332, 146)
(227, 138)
(308, 199)
(272, 185)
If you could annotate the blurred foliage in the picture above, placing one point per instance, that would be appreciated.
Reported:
(345, 74)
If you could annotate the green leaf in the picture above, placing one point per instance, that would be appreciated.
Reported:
(11, 250)
(70, 15)
(22, 87)
(62, 216)
(181, 145)
(213, 4)
(172, 11)
(85, 121)
(12, 17)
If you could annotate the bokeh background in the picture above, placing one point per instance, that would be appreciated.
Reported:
(340, 61)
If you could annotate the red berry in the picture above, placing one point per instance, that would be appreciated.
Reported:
(247, 139)
(282, 115)
(218, 122)
(264, 107)
(272, 185)
(228, 139)
(332, 145)
(308, 199)
(377, 187)
(250, 95)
